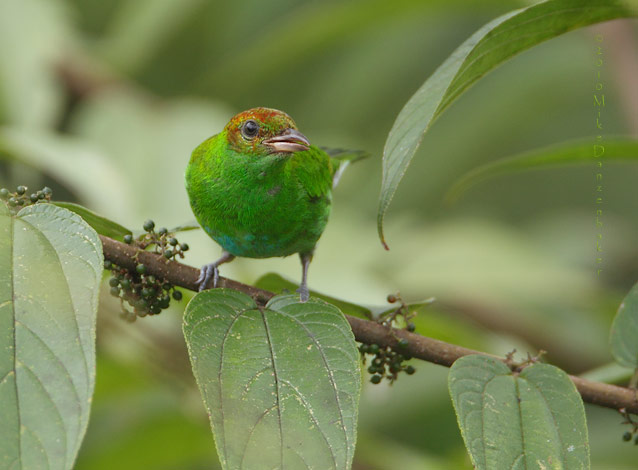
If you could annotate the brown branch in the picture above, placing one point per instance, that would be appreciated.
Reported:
(365, 331)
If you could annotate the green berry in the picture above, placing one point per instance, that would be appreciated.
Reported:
(165, 301)
(375, 379)
(184, 246)
(21, 202)
(411, 327)
(47, 191)
(394, 368)
(177, 295)
(172, 241)
(147, 292)
(373, 348)
(163, 231)
(126, 284)
(363, 348)
(627, 436)
(155, 309)
(33, 198)
(4, 193)
(13, 202)
(41, 195)
(113, 282)
(377, 361)
(128, 238)
(168, 254)
(410, 370)
(115, 291)
(372, 369)
(140, 268)
(403, 343)
(149, 225)
(21, 190)
(107, 264)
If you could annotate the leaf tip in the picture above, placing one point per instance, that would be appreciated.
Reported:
(380, 230)
(382, 239)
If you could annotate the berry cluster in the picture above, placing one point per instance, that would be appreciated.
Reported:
(162, 241)
(19, 199)
(142, 292)
(386, 362)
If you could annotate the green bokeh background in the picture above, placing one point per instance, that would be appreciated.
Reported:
(103, 100)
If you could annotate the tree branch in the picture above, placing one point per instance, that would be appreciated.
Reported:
(365, 331)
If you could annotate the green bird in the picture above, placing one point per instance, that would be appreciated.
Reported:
(260, 190)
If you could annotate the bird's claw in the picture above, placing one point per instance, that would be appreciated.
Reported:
(303, 292)
(208, 272)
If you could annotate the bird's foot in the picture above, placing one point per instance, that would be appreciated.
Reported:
(208, 272)
(303, 292)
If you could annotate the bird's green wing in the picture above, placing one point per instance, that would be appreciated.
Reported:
(342, 158)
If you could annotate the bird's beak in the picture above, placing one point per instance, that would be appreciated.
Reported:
(290, 140)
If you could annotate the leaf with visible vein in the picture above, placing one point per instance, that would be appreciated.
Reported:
(490, 46)
(280, 383)
(531, 419)
(50, 271)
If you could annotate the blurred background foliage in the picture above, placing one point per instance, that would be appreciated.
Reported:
(103, 100)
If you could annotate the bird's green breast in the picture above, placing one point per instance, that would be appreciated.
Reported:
(260, 206)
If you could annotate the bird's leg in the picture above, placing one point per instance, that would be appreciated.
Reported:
(211, 270)
(303, 292)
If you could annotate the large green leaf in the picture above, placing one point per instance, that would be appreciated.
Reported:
(565, 153)
(535, 419)
(624, 331)
(491, 45)
(100, 224)
(50, 270)
(280, 383)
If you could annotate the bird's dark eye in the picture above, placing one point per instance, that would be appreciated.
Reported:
(250, 129)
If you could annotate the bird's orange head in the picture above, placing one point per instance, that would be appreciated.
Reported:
(264, 131)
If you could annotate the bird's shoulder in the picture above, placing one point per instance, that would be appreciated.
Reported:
(313, 169)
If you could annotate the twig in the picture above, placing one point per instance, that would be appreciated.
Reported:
(365, 331)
